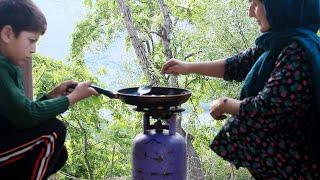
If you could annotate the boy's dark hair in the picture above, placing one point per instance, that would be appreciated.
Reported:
(22, 15)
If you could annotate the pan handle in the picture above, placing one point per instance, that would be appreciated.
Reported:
(99, 90)
(105, 92)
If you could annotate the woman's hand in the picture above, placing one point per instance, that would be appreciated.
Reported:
(224, 105)
(217, 108)
(175, 66)
(81, 91)
(61, 89)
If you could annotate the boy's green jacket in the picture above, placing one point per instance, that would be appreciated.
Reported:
(16, 110)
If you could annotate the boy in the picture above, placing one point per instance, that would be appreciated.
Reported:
(31, 138)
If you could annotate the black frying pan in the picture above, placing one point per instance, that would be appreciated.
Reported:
(157, 97)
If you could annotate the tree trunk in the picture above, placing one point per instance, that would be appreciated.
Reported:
(166, 38)
(194, 164)
(139, 47)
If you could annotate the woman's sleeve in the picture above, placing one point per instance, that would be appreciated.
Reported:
(285, 96)
(238, 66)
(22, 112)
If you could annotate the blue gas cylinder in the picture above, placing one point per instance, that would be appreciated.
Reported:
(159, 154)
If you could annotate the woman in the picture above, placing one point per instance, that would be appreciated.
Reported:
(274, 125)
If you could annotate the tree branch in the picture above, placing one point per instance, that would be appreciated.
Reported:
(140, 50)
(86, 144)
(192, 54)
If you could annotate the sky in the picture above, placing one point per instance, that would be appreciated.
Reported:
(62, 16)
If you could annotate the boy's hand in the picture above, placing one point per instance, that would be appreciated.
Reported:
(61, 89)
(175, 66)
(81, 91)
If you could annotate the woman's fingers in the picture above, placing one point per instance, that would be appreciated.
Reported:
(215, 113)
(172, 70)
(166, 68)
(216, 110)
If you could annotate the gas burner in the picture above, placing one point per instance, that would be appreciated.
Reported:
(160, 112)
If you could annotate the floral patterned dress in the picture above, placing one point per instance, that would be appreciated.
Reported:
(267, 136)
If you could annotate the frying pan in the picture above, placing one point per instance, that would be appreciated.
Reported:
(157, 97)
